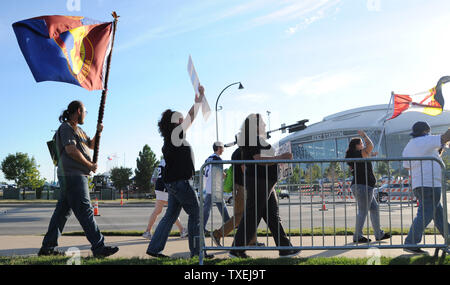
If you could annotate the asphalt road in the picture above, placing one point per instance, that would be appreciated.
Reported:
(26, 220)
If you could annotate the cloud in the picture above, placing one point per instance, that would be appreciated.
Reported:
(319, 13)
(288, 10)
(321, 84)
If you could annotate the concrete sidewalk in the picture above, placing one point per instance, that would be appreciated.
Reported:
(133, 246)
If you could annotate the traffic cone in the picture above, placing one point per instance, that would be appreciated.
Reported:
(324, 207)
(121, 197)
(96, 213)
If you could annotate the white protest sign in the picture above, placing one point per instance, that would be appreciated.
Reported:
(206, 110)
(284, 169)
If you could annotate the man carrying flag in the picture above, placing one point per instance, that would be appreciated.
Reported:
(74, 50)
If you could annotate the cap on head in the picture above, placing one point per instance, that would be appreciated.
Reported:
(419, 129)
(216, 145)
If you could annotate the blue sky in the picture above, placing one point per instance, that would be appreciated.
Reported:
(300, 59)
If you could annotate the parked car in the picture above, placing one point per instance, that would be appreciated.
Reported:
(228, 197)
(389, 191)
(283, 194)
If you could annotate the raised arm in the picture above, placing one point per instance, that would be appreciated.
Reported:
(367, 150)
(187, 122)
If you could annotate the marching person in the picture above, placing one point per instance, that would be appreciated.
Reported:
(426, 180)
(261, 200)
(218, 148)
(362, 186)
(74, 167)
(161, 201)
(179, 170)
(239, 204)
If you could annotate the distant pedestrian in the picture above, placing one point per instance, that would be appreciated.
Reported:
(74, 167)
(161, 200)
(178, 171)
(362, 186)
(261, 200)
(210, 198)
(426, 180)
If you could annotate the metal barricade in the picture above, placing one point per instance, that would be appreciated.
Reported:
(322, 207)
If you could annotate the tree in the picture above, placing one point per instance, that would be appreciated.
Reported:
(23, 171)
(382, 168)
(334, 171)
(145, 165)
(313, 172)
(120, 177)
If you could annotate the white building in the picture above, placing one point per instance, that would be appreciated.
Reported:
(330, 137)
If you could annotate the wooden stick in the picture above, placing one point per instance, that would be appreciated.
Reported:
(101, 110)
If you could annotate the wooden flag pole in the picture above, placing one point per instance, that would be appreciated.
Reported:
(105, 90)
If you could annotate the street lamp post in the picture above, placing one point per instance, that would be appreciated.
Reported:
(217, 126)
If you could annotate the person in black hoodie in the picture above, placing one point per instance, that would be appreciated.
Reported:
(178, 171)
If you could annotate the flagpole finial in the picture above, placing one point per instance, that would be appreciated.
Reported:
(115, 16)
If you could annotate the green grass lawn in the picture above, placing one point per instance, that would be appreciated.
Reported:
(419, 260)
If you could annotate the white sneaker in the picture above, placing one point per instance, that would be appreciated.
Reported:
(147, 235)
(184, 233)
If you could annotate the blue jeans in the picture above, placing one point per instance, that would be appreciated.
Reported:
(430, 208)
(207, 209)
(366, 202)
(181, 195)
(74, 196)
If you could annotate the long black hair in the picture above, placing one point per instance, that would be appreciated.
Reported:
(166, 126)
(351, 150)
(246, 136)
(71, 109)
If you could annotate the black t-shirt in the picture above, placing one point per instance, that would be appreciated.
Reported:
(179, 162)
(248, 153)
(238, 177)
(360, 177)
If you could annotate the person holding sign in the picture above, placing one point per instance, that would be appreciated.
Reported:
(179, 170)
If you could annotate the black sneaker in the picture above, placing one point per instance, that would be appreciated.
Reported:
(362, 239)
(50, 252)
(238, 254)
(416, 251)
(289, 253)
(106, 251)
(385, 236)
(158, 255)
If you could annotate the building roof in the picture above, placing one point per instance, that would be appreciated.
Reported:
(369, 117)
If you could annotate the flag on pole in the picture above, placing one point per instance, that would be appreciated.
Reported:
(66, 49)
(430, 102)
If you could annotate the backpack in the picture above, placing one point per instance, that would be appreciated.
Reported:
(55, 152)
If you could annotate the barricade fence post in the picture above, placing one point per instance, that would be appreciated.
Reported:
(316, 187)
